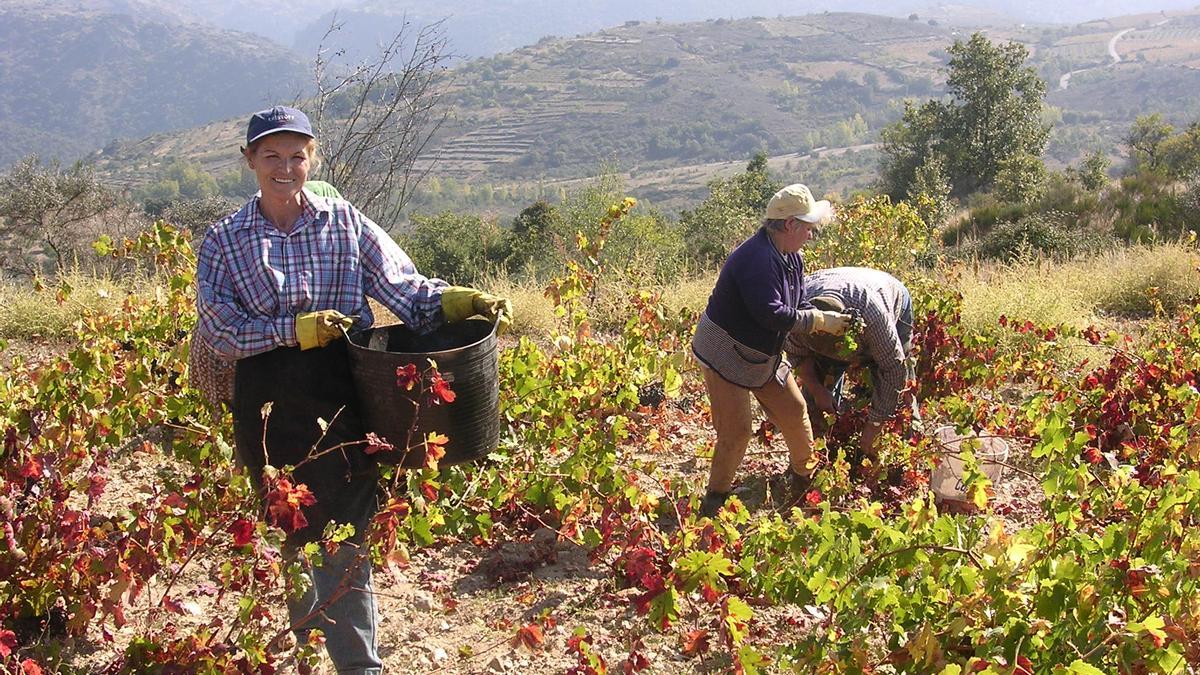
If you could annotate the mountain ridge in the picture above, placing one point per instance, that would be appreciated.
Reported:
(78, 79)
(646, 98)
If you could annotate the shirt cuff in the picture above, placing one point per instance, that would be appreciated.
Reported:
(804, 322)
(285, 330)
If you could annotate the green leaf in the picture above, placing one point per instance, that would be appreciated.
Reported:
(751, 660)
(672, 383)
(422, 530)
(738, 609)
(1018, 552)
(103, 246)
(664, 608)
(703, 567)
(1172, 660)
(1152, 624)
(1079, 667)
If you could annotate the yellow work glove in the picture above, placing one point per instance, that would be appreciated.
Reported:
(833, 323)
(317, 329)
(460, 303)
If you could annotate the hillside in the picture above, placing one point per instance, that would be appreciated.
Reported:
(656, 96)
(479, 28)
(671, 105)
(75, 79)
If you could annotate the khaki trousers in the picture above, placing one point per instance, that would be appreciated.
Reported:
(731, 417)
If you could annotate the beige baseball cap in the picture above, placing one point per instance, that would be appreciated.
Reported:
(796, 201)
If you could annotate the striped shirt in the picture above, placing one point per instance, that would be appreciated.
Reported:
(885, 306)
(252, 279)
(736, 363)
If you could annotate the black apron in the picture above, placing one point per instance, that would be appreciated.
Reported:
(304, 386)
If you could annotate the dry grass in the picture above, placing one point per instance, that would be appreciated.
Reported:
(535, 316)
(35, 312)
(533, 313)
(1134, 283)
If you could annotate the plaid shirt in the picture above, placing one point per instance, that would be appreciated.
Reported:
(252, 279)
(880, 299)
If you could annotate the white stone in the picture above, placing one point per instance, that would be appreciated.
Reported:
(423, 601)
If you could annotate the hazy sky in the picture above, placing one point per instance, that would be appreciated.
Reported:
(489, 26)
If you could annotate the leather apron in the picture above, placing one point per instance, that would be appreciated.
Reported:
(303, 386)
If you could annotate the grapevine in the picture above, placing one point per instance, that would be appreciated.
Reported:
(1104, 579)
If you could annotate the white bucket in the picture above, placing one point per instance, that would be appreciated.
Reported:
(946, 479)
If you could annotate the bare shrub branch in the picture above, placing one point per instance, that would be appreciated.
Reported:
(377, 117)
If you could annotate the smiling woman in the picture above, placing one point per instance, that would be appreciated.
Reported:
(278, 285)
(281, 160)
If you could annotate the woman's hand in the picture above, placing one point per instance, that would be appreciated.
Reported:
(317, 329)
(833, 323)
(459, 303)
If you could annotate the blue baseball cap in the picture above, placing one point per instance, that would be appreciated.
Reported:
(274, 120)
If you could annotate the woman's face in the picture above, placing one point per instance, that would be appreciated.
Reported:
(794, 235)
(280, 162)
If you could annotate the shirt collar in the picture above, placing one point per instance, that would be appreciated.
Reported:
(315, 208)
(785, 259)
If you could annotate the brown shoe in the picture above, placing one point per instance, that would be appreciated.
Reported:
(712, 502)
(788, 488)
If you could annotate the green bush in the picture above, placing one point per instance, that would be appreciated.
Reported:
(986, 211)
(454, 247)
(873, 232)
(644, 243)
(1049, 234)
(733, 211)
(1147, 209)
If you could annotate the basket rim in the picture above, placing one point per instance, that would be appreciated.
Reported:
(491, 335)
(981, 453)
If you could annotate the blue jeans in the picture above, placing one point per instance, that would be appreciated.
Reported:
(349, 620)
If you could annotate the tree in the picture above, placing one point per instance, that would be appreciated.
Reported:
(376, 120)
(930, 192)
(454, 247)
(47, 207)
(1021, 179)
(908, 145)
(993, 115)
(1144, 138)
(181, 180)
(535, 237)
(1093, 171)
(1154, 146)
(733, 209)
(1181, 153)
(198, 213)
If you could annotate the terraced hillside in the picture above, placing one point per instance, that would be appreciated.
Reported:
(672, 105)
(655, 95)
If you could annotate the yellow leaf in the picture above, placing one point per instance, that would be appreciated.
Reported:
(1018, 552)
(997, 534)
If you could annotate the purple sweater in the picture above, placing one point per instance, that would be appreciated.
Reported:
(758, 294)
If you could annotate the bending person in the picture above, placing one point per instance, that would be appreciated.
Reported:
(885, 306)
